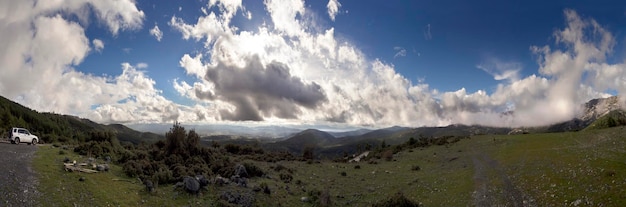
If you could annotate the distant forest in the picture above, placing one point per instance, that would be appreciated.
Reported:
(51, 127)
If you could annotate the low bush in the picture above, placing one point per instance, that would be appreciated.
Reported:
(286, 177)
(180, 155)
(397, 200)
(253, 170)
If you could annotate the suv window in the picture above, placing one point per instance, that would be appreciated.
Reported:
(22, 131)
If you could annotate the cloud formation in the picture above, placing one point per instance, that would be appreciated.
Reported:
(258, 91)
(360, 91)
(289, 68)
(333, 8)
(427, 34)
(41, 43)
(501, 70)
(400, 52)
(98, 44)
(156, 32)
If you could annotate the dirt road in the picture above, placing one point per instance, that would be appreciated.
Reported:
(18, 182)
(493, 186)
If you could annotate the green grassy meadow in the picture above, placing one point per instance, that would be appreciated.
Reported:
(586, 168)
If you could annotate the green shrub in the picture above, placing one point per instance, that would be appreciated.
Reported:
(286, 177)
(169, 161)
(397, 200)
(253, 170)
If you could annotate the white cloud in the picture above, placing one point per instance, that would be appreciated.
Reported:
(98, 44)
(284, 13)
(501, 70)
(39, 43)
(141, 65)
(333, 8)
(156, 32)
(361, 91)
(263, 73)
(427, 34)
(400, 52)
(116, 15)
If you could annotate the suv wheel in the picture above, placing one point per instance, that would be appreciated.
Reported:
(34, 142)
(17, 140)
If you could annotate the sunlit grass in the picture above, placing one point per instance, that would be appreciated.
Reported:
(588, 168)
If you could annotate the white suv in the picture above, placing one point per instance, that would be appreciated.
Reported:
(18, 135)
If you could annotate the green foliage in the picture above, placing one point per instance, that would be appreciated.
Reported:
(236, 149)
(253, 170)
(397, 200)
(286, 178)
(178, 156)
(51, 127)
(101, 144)
(307, 153)
(612, 119)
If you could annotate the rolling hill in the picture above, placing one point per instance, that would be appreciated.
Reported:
(51, 127)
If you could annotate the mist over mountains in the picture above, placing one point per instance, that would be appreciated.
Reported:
(325, 139)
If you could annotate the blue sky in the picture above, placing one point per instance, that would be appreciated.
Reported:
(463, 35)
(370, 63)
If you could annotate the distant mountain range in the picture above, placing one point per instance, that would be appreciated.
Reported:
(592, 111)
(596, 114)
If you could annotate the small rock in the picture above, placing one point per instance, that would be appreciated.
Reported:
(577, 202)
(149, 185)
(179, 185)
(81, 179)
(305, 199)
(202, 180)
(219, 180)
(103, 167)
(240, 181)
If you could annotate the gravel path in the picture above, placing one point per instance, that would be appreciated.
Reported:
(18, 181)
(488, 172)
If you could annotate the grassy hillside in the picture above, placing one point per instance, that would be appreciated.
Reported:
(584, 168)
(51, 127)
(612, 119)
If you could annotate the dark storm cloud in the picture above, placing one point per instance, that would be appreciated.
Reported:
(259, 91)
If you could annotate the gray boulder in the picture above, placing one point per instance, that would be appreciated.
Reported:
(202, 180)
(238, 198)
(191, 185)
(103, 167)
(240, 181)
(241, 171)
(219, 180)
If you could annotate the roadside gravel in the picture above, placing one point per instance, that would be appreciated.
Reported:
(18, 181)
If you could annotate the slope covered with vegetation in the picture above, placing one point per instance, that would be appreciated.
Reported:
(51, 127)
(583, 168)
(611, 119)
